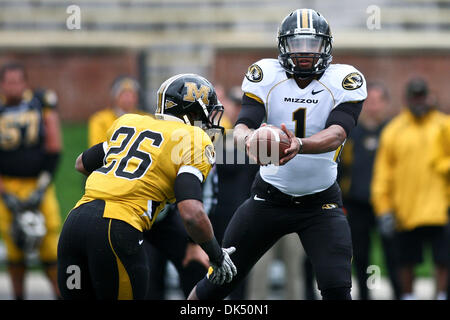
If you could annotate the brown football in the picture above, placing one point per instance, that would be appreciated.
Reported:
(267, 145)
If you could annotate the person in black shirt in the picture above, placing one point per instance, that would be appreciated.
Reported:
(233, 180)
(355, 171)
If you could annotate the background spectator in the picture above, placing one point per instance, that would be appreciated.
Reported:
(408, 195)
(355, 171)
(233, 179)
(441, 163)
(30, 146)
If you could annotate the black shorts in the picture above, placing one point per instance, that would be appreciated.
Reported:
(411, 245)
(100, 258)
(268, 215)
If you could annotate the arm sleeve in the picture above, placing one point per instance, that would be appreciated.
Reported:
(346, 115)
(188, 186)
(440, 155)
(252, 113)
(382, 181)
(93, 157)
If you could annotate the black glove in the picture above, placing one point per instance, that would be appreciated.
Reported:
(34, 200)
(386, 225)
(12, 202)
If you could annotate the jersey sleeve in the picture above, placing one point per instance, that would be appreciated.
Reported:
(348, 85)
(440, 154)
(259, 79)
(382, 181)
(198, 154)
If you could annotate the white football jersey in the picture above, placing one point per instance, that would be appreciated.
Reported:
(305, 112)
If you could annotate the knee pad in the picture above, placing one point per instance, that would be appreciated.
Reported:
(342, 293)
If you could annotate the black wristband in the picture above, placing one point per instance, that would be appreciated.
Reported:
(213, 250)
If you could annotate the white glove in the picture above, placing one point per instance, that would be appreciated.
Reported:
(225, 272)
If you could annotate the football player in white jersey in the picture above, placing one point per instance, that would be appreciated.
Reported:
(316, 104)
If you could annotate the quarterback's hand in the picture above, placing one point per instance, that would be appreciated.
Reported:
(293, 149)
(218, 274)
(12, 202)
(386, 225)
(247, 143)
(35, 199)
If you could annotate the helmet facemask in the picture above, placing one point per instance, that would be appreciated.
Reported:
(304, 54)
(208, 120)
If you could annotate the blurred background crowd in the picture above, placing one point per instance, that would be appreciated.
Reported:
(98, 59)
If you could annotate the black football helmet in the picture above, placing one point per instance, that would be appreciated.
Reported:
(192, 99)
(304, 43)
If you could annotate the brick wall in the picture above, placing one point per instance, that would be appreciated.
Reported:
(81, 78)
(393, 68)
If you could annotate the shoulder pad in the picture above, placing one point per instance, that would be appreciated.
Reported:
(261, 76)
(48, 98)
(346, 82)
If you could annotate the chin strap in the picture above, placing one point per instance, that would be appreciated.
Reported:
(169, 117)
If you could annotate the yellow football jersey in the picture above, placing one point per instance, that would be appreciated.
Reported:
(143, 157)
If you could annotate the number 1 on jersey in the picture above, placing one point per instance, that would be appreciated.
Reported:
(299, 116)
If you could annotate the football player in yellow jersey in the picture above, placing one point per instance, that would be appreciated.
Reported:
(30, 145)
(146, 162)
(125, 95)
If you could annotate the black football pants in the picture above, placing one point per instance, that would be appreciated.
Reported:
(100, 258)
(267, 216)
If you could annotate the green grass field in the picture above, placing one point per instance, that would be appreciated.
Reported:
(377, 258)
(69, 183)
(69, 186)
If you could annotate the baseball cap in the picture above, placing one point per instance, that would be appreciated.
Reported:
(416, 87)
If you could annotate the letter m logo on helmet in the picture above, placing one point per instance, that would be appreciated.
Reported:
(193, 92)
(190, 98)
